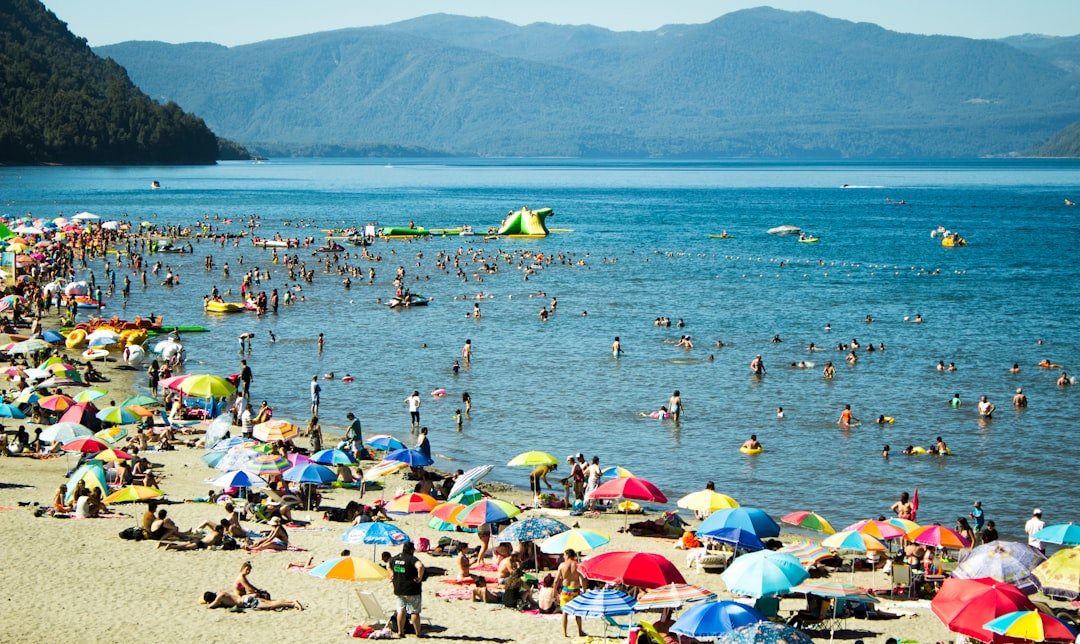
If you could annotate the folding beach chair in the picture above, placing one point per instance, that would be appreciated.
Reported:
(375, 613)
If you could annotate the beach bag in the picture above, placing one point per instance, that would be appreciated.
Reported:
(228, 543)
(133, 534)
(423, 544)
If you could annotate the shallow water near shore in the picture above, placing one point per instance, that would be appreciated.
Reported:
(642, 230)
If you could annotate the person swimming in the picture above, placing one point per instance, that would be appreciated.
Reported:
(752, 443)
(955, 402)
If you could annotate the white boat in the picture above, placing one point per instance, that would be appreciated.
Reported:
(786, 229)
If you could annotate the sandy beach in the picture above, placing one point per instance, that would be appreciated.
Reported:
(71, 580)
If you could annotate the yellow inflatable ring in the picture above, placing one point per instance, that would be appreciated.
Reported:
(751, 450)
(75, 338)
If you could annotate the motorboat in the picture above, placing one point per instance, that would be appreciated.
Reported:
(786, 229)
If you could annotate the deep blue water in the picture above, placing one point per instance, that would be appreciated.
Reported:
(554, 386)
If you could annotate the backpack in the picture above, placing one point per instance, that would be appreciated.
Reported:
(133, 534)
(423, 544)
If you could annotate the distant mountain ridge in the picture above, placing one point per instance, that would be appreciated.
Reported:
(757, 82)
(59, 103)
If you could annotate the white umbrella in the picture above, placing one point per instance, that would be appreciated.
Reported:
(29, 346)
(27, 230)
(111, 225)
(236, 458)
(468, 479)
(85, 216)
(65, 432)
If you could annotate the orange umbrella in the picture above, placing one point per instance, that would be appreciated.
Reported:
(938, 536)
(410, 503)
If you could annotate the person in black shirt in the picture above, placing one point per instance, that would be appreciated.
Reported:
(245, 378)
(990, 532)
(408, 577)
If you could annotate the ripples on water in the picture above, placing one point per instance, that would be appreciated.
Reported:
(554, 386)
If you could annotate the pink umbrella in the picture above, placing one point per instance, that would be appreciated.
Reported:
(174, 381)
(629, 488)
(297, 459)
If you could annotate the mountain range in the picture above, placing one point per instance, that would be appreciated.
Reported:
(758, 82)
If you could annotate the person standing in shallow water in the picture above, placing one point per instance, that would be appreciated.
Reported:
(616, 348)
(675, 406)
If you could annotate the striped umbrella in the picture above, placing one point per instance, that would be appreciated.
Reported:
(112, 455)
(132, 494)
(1002, 560)
(600, 603)
(350, 569)
(384, 442)
(471, 495)
(707, 501)
(267, 465)
(447, 512)
(56, 402)
(852, 541)
(487, 511)
(907, 525)
(531, 529)
(882, 530)
(117, 416)
(1031, 626)
(275, 430)
(764, 633)
(808, 520)
(90, 394)
(938, 536)
(468, 479)
(807, 552)
(617, 471)
(576, 539)
(411, 503)
(238, 478)
(673, 596)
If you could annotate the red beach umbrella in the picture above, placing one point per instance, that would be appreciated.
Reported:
(86, 445)
(629, 488)
(965, 605)
(641, 569)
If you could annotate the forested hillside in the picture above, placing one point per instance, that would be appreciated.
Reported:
(60, 103)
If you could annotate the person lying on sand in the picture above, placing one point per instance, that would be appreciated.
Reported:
(226, 599)
(215, 533)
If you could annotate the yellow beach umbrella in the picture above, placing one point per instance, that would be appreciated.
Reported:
(533, 459)
(707, 501)
(132, 494)
(1060, 574)
(273, 430)
(350, 569)
(206, 386)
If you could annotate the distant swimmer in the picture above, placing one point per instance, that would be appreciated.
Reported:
(661, 414)
(829, 371)
(940, 365)
(918, 318)
(685, 342)
(869, 320)
(828, 327)
(720, 344)
(1063, 380)
(1019, 398)
(1015, 368)
(616, 348)
(813, 347)
(847, 419)
(776, 339)
(757, 366)
(885, 452)
(986, 408)
(1069, 203)
(752, 443)
(955, 402)
(779, 413)
(675, 405)
(1046, 364)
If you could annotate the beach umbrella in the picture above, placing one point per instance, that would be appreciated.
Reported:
(487, 511)
(1060, 574)
(851, 541)
(90, 394)
(133, 494)
(534, 528)
(715, 618)
(764, 633)
(1063, 534)
(56, 402)
(117, 416)
(673, 596)
(26, 396)
(238, 478)
(736, 537)
(84, 414)
(311, 473)
(350, 569)
(526, 459)
(641, 569)
(267, 465)
(33, 345)
(1032, 626)
(85, 216)
(218, 429)
(275, 430)
(471, 495)
(576, 539)
(173, 382)
(628, 488)
(383, 468)
(1004, 561)
(617, 471)
(384, 442)
(938, 536)
(807, 552)
(112, 434)
(142, 401)
(600, 602)
(707, 501)
(447, 512)
(52, 337)
(410, 457)
(112, 455)
(85, 445)
(751, 519)
(880, 530)
(227, 444)
(375, 533)
(763, 573)
(834, 589)
(103, 334)
(333, 457)
(206, 386)
(64, 432)
(809, 521)
(213, 457)
(965, 605)
(62, 379)
(410, 503)
(8, 410)
(92, 473)
(236, 458)
(469, 478)
(298, 459)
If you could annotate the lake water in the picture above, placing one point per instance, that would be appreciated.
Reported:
(642, 231)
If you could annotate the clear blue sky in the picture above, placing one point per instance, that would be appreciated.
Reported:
(233, 22)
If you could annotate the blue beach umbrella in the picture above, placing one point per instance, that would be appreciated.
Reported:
(531, 529)
(52, 337)
(750, 519)
(736, 537)
(8, 410)
(375, 533)
(715, 618)
(384, 442)
(410, 457)
(1063, 534)
(212, 458)
(764, 573)
(312, 473)
(238, 478)
(765, 633)
(600, 603)
(333, 457)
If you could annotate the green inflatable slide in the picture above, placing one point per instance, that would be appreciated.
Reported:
(525, 222)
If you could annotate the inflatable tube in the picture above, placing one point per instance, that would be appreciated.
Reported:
(94, 354)
(224, 307)
(747, 450)
(75, 338)
(629, 507)
(890, 419)
(439, 393)
(918, 450)
(348, 379)
(658, 415)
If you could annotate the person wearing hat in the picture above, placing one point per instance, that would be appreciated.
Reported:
(1019, 400)
(1033, 525)
(277, 539)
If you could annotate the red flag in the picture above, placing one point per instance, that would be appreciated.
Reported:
(915, 504)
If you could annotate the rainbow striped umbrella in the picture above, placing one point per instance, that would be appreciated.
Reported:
(90, 394)
(618, 471)
(907, 525)
(808, 520)
(577, 539)
(673, 596)
(882, 530)
(350, 569)
(471, 495)
(267, 465)
(853, 542)
(1031, 625)
(56, 402)
(487, 511)
(938, 536)
(411, 503)
(133, 494)
(807, 552)
(112, 455)
(274, 430)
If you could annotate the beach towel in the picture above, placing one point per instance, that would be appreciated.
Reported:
(535, 612)
(289, 549)
(485, 567)
(454, 593)
(459, 582)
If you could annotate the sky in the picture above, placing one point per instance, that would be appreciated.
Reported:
(235, 22)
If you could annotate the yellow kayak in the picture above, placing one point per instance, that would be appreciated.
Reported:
(224, 307)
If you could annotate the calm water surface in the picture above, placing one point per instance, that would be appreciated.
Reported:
(642, 231)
